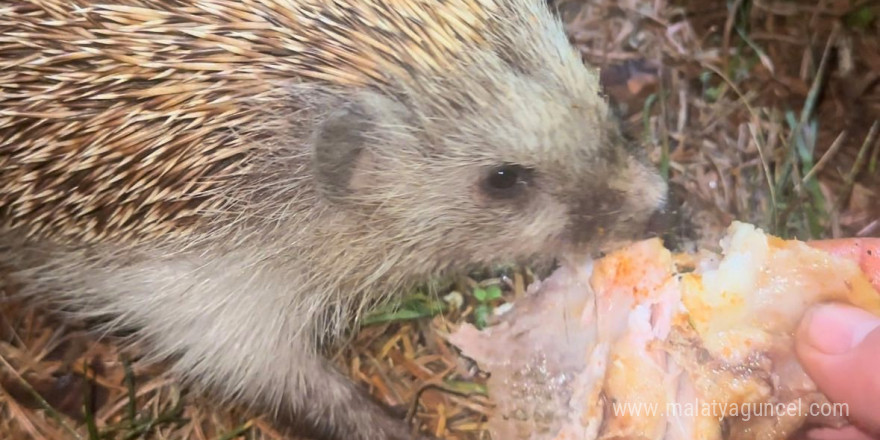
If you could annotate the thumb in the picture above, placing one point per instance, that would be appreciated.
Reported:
(839, 348)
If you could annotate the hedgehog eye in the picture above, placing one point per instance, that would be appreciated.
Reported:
(507, 180)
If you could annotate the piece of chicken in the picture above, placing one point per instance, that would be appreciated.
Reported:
(643, 344)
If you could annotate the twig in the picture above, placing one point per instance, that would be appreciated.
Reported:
(43, 403)
(857, 166)
(832, 150)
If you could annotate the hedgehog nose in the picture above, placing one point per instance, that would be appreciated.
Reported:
(594, 216)
(661, 221)
(609, 214)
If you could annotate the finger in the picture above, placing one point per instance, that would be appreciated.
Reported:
(839, 347)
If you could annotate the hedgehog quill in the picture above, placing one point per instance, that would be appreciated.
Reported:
(238, 181)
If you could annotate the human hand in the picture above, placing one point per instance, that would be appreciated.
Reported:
(839, 348)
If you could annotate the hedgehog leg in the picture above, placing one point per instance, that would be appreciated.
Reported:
(329, 406)
(231, 325)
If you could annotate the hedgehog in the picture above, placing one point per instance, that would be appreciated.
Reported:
(236, 183)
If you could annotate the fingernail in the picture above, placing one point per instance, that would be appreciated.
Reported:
(837, 329)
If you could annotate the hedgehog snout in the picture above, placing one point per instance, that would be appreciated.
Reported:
(619, 207)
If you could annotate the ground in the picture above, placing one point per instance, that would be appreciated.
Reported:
(763, 111)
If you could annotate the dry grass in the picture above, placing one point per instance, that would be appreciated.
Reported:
(765, 111)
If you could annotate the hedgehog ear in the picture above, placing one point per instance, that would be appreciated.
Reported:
(342, 144)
